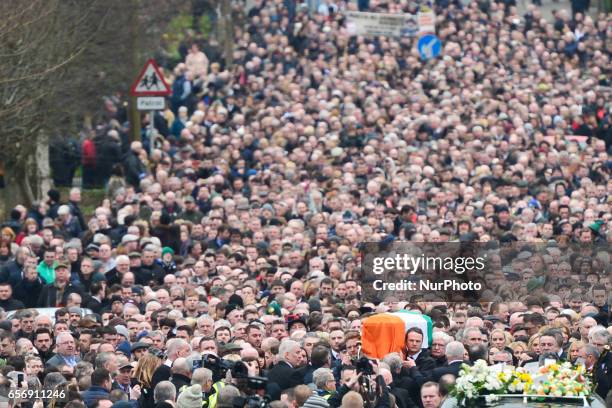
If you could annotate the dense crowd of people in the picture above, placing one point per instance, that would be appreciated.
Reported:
(223, 269)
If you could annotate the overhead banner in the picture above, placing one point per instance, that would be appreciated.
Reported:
(381, 24)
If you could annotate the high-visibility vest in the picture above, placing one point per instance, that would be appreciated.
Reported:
(212, 400)
(325, 394)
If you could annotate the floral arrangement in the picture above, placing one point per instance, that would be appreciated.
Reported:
(554, 380)
(477, 380)
(562, 380)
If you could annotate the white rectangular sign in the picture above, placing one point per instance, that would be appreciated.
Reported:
(426, 21)
(147, 103)
(383, 24)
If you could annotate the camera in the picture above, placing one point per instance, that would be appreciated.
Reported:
(364, 366)
(238, 370)
(218, 366)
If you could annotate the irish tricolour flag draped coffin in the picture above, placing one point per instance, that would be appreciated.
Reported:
(384, 333)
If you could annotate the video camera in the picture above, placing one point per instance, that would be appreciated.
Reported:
(364, 366)
(220, 367)
(237, 369)
(368, 388)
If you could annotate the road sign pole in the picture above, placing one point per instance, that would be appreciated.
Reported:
(151, 132)
(135, 129)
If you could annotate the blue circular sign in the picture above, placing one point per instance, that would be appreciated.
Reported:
(429, 46)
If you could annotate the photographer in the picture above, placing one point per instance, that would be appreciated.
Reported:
(228, 373)
(214, 376)
(370, 386)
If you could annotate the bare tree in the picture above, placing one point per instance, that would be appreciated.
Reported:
(39, 39)
(58, 59)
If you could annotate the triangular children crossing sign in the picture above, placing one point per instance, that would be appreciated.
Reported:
(150, 82)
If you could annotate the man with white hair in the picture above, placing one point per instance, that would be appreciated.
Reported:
(285, 373)
(454, 356)
(600, 338)
(164, 391)
(324, 381)
(439, 340)
(206, 326)
(70, 225)
(175, 348)
(66, 353)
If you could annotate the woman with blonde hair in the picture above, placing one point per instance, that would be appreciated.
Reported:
(534, 343)
(518, 348)
(500, 338)
(574, 350)
(147, 365)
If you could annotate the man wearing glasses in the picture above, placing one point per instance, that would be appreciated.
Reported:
(66, 351)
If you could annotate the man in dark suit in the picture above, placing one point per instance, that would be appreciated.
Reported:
(455, 352)
(6, 298)
(415, 354)
(149, 270)
(181, 374)
(175, 348)
(100, 387)
(551, 341)
(402, 396)
(96, 300)
(320, 357)
(285, 374)
(56, 294)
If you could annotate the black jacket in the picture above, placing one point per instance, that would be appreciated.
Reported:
(180, 381)
(424, 361)
(78, 214)
(440, 361)
(113, 277)
(133, 168)
(11, 272)
(108, 153)
(28, 292)
(11, 304)
(95, 305)
(602, 374)
(169, 235)
(382, 401)
(48, 295)
(153, 272)
(438, 372)
(285, 376)
(402, 397)
(162, 373)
